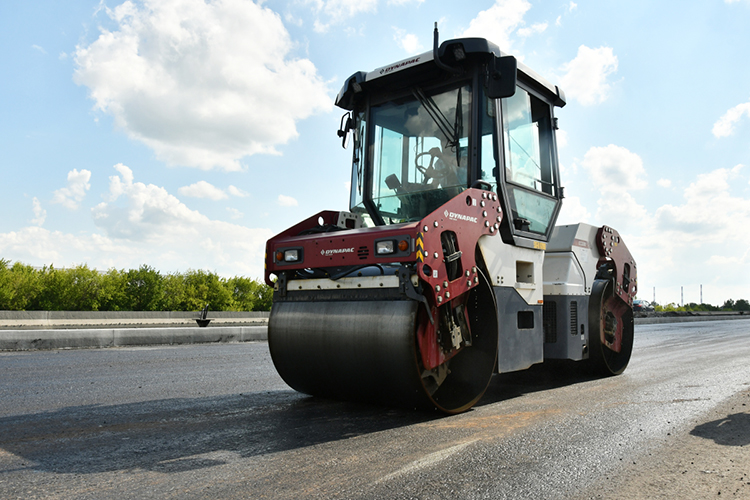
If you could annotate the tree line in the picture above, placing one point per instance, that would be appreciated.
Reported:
(729, 305)
(25, 288)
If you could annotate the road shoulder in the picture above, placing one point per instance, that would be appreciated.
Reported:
(710, 460)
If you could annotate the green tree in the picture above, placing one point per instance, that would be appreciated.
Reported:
(249, 295)
(742, 305)
(143, 289)
(25, 286)
(74, 289)
(53, 287)
(700, 307)
(112, 291)
(201, 288)
(6, 287)
(671, 307)
(173, 295)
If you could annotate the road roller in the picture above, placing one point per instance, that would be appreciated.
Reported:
(447, 266)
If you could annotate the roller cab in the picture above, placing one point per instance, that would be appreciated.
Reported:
(436, 276)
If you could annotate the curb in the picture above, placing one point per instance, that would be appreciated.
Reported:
(26, 340)
(687, 319)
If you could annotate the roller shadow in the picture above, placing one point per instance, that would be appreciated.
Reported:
(541, 377)
(734, 430)
(176, 435)
(183, 434)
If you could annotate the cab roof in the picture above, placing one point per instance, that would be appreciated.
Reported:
(418, 67)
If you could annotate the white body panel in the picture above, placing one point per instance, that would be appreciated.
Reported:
(571, 261)
(516, 267)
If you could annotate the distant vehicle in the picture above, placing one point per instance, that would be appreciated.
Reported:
(640, 305)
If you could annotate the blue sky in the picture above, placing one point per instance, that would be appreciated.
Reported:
(184, 133)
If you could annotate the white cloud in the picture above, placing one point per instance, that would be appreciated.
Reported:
(573, 212)
(619, 209)
(144, 223)
(332, 12)
(287, 201)
(700, 236)
(699, 217)
(202, 84)
(38, 246)
(615, 172)
(40, 214)
(614, 168)
(561, 138)
(40, 49)
(407, 41)
(498, 23)
(234, 213)
(699, 241)
(235, 191)
(202, 189)
(532, 30)
(665, 183)
(74, 193)
(404, 2)
(725, 125)
(585, 78)
(567, 9)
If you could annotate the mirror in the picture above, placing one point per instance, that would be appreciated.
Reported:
(344, 128)
(502, 77)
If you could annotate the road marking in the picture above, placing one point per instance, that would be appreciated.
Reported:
(427, 460)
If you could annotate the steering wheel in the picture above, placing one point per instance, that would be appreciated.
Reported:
(420, 167)
(429, 172)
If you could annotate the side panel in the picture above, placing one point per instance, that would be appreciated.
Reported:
(569, 272)
(516, 276)
(520, 336)
(580, 240)
(514, 267)
(566, 331)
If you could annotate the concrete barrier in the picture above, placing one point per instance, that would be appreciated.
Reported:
(36, 320)
(688, 316)
(71, 338)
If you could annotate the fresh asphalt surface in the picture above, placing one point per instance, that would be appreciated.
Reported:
(215, 421)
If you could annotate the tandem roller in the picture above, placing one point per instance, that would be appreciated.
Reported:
(448, 266)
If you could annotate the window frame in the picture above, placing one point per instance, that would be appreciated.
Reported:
(510, 233)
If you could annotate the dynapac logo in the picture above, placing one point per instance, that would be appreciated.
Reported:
(334, 251)
(455, 216)
(399, 65)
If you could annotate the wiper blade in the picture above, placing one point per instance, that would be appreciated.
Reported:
(437, 116)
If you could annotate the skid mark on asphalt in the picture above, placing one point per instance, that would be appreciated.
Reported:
(427, 460)
(502, 423)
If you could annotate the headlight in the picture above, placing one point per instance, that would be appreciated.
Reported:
(384, 247)
(288, 255)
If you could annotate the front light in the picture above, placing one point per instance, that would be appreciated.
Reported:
(384, 247)
(291, 255)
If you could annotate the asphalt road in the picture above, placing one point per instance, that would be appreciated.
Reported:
(215, 421)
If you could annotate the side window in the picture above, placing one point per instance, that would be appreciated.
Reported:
(529, 172)
(358, 162)
(488, 140)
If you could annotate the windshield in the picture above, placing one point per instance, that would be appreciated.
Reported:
(419, 152)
